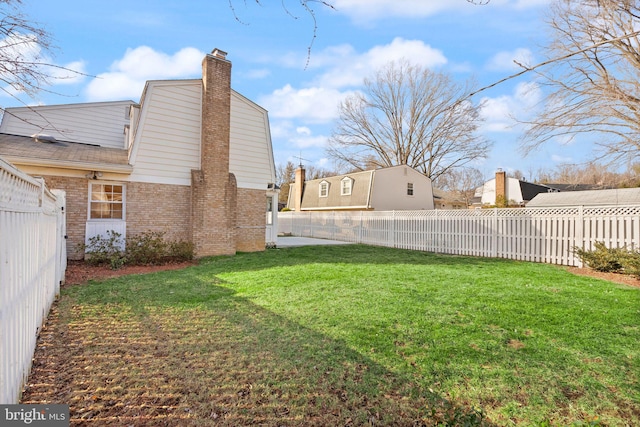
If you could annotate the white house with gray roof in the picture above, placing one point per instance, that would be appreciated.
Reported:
(394, 188)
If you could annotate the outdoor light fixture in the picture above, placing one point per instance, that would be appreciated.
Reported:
(93, 175)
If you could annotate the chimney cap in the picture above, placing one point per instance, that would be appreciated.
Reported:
(219, 53)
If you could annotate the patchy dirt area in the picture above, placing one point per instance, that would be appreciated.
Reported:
(79, 272)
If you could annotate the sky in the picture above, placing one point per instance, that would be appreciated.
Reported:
(301, 77)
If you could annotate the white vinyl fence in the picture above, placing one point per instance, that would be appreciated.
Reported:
(32, 264)
(547, 235)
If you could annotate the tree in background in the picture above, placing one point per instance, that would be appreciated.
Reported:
(24, 66)
(408, 115)
(594, 174)
(286, 175)
(593, 78)
(26, 50)
(461, 182)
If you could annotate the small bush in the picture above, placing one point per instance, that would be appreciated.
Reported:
(611, 260)
(181, 251)
(147, 248)
(105, 250)
(631, 263)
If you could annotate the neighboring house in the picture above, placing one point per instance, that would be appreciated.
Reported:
(448, 200)
(193, 159)
(513, 191)
(393, 188)
(611, 197)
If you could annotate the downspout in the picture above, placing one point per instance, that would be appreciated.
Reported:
(371, 179)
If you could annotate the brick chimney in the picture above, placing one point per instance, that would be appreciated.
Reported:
(214, 190)
(299, 187)
(501, 185)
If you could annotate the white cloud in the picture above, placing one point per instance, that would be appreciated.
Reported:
(303, 130)
(350, 70)
(257, 74)
(318, 103)
(127, 76)
(298, 138)
(500, 113)
(71, 73)
(313, 104)
(561, 159)
(363, 11)
(506, 60)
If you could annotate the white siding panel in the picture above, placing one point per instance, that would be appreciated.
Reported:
(250, 157)
(169, 135)
(99, 123)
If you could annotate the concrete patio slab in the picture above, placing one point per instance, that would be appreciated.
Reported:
(293, 241)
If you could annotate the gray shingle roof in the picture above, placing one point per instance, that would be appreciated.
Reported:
(69, 155)
(359, 198)
(614, 197)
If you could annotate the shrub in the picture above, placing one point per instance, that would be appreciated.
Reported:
(611, 260)
(181, 251)
(146, 248)
(631, 263)
(105, 250)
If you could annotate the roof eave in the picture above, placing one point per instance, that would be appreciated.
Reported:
(61, 164)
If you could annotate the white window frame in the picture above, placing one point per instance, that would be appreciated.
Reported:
(346, 186)
(123, 202)
(323, 189)
(410, 189)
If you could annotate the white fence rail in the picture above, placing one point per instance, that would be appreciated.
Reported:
(547, 235)
(32, 264)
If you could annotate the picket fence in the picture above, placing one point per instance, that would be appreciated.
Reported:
(32, 264)
(548, 235)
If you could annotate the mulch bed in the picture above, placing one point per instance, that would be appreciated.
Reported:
(79, 272)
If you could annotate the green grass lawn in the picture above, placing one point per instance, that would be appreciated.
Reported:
(350, 335)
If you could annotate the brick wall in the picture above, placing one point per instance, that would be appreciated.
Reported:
(149, 207)
(159, 207)
(251, 214)
(77, 190)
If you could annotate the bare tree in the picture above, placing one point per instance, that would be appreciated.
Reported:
(409, 115)
(593, 78)
(24, 66)
(596, 175)
(461, 181)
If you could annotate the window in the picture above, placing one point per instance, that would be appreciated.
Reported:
(324, 189)
(270, 206)
(107, 201)
(345, 188)
(410, 189)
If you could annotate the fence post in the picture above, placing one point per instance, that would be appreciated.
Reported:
(579, 234)
(393, 229)
(494, 237)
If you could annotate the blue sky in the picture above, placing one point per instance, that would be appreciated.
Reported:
(125, 43)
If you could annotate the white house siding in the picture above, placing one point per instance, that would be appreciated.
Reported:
(390, 190)
(167, 143)
(514, 193)
(250, 157)
(99, 123)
